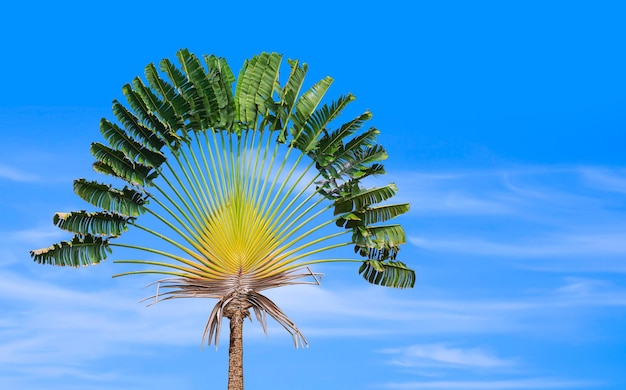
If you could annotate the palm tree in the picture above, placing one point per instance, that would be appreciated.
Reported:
(238, 186)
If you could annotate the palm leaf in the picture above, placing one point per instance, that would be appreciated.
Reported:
(115, 163)
(378, 242)
(173, 106)
(332, 142)
(307, 138)
(133, 150)
(360, 150)
(186, 90)
(384, 213)
(205, 101)
(133, 125)
(255, 85)
(82, 250)
(101, 223)
(287, 95)
(379, 237)
(354, 163)
(307, 104)
(389, 274)
(223, 91)
(365, 140)
(372, 215)
(363, 198)
(159, 109)
(126, 201)
(146, 103)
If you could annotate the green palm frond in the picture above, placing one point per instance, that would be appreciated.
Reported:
(388, 273)
(126, 201)
(307, 136)
(221, 85)
(197, 76)
(172, 107)
(373, 215)
(82, 250)
(332, 142)
(100, 223)
(192, 113)
(365, 140)
(283, 109)
(378, 237)
(256, 83)
(307, 104)
(133, 150)
(115, 163)
(148, 108)
(138, 130)
(289, 93)
(359, 199)
(354, 162)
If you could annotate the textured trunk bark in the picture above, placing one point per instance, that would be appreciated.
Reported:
(235, 351)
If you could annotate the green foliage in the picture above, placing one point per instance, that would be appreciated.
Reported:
(373, 215)
(257, 80)
(133, 150)
(101, 223)
(165, 102)
(146, 105)
(135, 128)
(115, 163)
(126, 201)
(82, 250)
(222, 78)
(389, 274)
(176, 104)
(306, 106)
(307, 135)
(359, 199)
(378, 237)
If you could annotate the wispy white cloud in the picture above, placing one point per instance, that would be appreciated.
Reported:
(354, 313)
(526, 383)
(449, 193)
(568, 244)
(14, 174)
(16, 244)
(429, 355)
(605, 179)
(587, 292)
(34, 236)
(456, 202)
(543, 218)
(528, 193)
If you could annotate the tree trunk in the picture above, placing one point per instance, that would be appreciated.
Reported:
(235, 350)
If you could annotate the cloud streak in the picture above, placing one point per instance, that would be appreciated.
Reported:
(526, 384)
(612, 180)
(16, 175)
(561, 245)
(522, 192)
(442, 355)
(543, 218)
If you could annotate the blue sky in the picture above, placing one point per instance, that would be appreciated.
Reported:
(505, 125)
